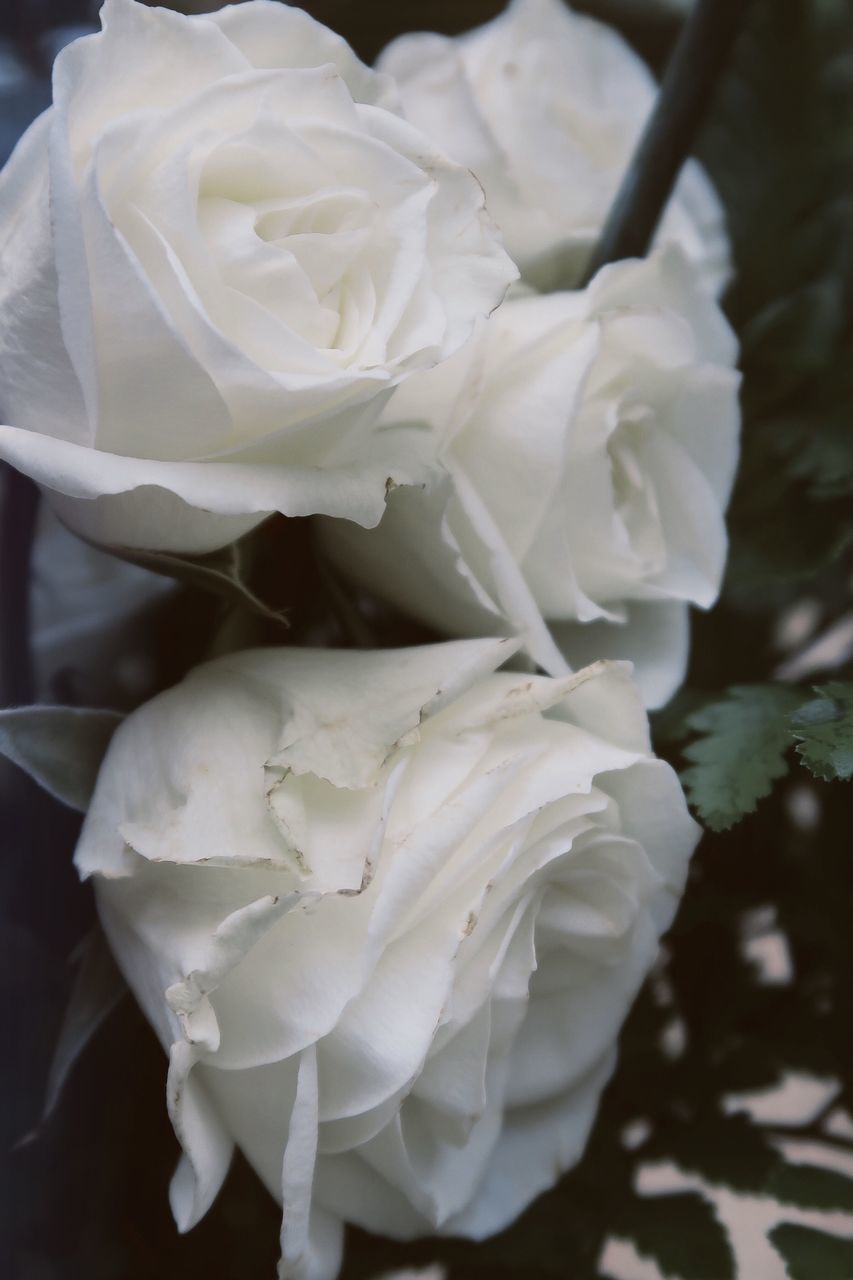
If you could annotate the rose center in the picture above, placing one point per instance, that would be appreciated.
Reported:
(295, 263)
(634, 493)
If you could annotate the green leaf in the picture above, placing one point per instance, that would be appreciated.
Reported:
(817, 447)
(61, 748)
(98, 987)
(812, 1187)
(797, 335)
(771, 565)
(824, 730)
(741, 751)
(680, 1232)
(813, 1255)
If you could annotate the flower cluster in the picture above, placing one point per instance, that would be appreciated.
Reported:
(386, 910)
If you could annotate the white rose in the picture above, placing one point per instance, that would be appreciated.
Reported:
(589, 441)
(218, 249)
(387, 911)
(546, 106)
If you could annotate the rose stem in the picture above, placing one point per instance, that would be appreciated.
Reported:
(17, 529)
(691, 75)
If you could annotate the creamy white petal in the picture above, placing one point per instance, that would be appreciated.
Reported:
(140, 56)
(388, 912)
(536, 1143)
(206, 1143)
(270, 34)
(30, 319)
(190, 506)
(226, 247)
(655, 638)
(368, 703)
(546, 106)
(588, 443)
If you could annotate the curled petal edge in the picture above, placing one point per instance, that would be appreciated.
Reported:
(193, 506)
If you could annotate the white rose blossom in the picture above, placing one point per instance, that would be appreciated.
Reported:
(387, 912)
(546, 106)
(588, 443)
(219, 249)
